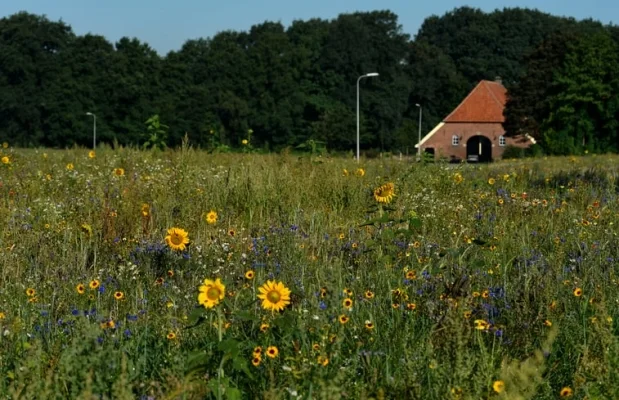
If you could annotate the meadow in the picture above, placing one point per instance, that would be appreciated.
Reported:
(186, 275)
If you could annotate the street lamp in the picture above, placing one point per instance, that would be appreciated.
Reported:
(371, 74)
(419, 133)
(94, 130)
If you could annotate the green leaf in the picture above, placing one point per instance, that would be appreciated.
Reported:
(414, 223)
(246, 316)
(240, 364)
(233, 394)
(196, 317)
(230, 347)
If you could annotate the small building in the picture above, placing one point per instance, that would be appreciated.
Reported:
(474, 130)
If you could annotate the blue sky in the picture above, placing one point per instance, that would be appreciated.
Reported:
(167, 24)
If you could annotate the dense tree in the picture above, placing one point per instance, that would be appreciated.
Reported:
(282, 86)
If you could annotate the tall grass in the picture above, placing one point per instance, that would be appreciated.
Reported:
(500, 276)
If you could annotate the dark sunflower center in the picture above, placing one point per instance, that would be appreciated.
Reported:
(212, 293)
(273, 296)
(176, 239)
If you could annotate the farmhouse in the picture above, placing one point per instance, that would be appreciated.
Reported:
(474, 130)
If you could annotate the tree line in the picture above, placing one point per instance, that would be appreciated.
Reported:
(273, 86)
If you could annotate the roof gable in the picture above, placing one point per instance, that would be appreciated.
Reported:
(485, 103)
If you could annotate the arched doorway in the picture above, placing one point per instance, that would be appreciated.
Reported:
(479, 149)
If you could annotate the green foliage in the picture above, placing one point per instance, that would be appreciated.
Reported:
(295, 84)
(504, 244)
(156, 134)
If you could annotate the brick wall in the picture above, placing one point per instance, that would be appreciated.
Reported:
(441, 140)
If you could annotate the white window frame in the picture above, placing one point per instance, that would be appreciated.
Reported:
(502, 141)
(455, 140)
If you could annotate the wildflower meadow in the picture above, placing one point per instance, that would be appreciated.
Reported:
(181, 274)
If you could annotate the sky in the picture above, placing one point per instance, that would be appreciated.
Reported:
(166, 24)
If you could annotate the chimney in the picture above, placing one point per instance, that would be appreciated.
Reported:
(498, 80)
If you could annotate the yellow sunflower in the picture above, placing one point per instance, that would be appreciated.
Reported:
(274, 295)
(211, 293)
(119, 172)
(94, 284)
(70, 166)
(5, 160)
(272, 351)
(211, 217)
(566, 392)
(177, 239)
(171, 336)
(30, 292)
(92, 154)
(498, 386)
(385, 193)
(249, 275)
(80, 288)
(119, 295)
(256, 360)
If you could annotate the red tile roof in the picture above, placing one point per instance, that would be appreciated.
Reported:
(485, 103)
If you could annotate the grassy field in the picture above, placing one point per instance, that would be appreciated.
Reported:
(473, 282)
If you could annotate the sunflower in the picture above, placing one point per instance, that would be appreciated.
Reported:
(274, 295)
(92, 154)
(30, 292)
(272, 351)
(256, 360)
(491, 181)
(244, 142)
(119, 172)
(322, 360)
(257, 351)
(547, 323)
(171, 336)
(145, 210)
(2, 315)
(566, 392)
(119, 295)
(343, 319)
(360, 172)
(467, 314)
(249, 274)
(323, 292)
(159, 281)
(347, 292)
(369, 325)
(384, 193)
(5, 160)
(177, 239)
(315, 347)
(481, 324)
(94, 284)
(369, 294)
(70, 166)
(264, 328)
(411, 275)
(498, 386)
(411, 306)
(578, 292)
(80, 288)
(211, 217)
(211, 293)
(347, 303)
(87, 229)
(170, 273)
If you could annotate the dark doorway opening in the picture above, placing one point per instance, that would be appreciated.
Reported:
(479, 149)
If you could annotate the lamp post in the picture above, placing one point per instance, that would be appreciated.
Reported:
(94, 130)
(371, 74)
(419, 133)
